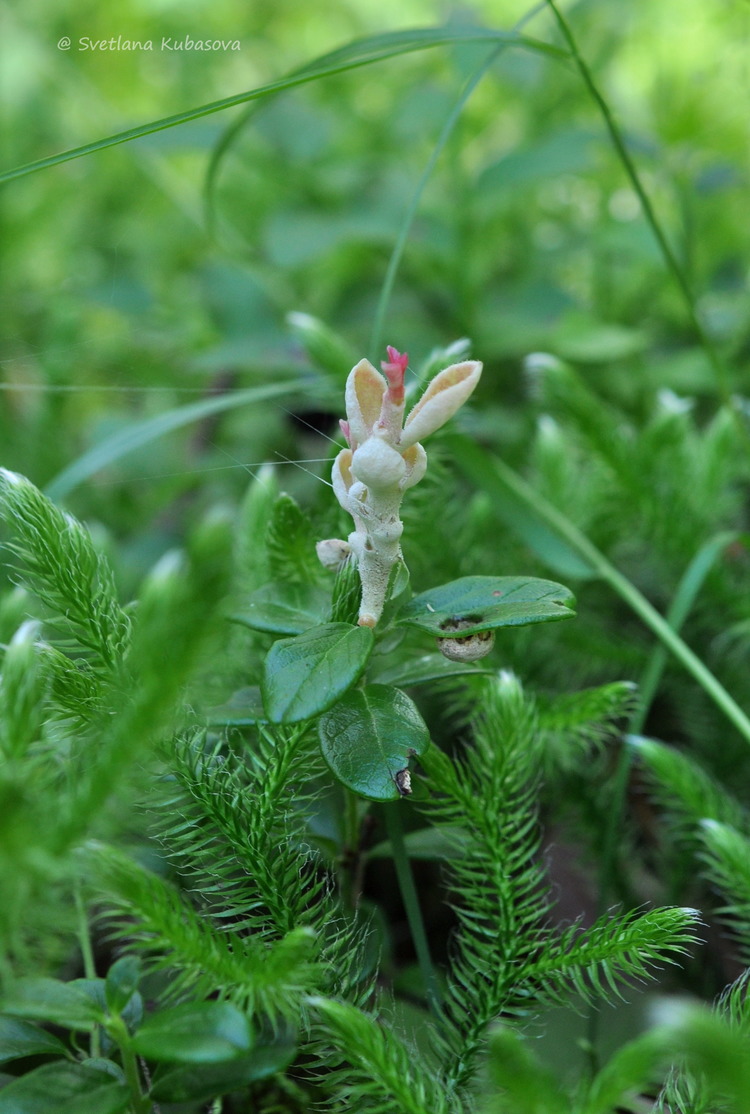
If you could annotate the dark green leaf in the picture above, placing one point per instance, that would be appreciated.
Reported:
(108, 1067)
(197, 1084)
(50, 1000)
(369, 736)
(244, 707)
(122, 982)
(96, 991)
(500, 482)
(443, 841)
(63, 1088)
(398, 592)
(420, 669)
(489, 602)
(21, 1038)
(304, 676)
(284, 608)
(195, 1033)
(564, 151)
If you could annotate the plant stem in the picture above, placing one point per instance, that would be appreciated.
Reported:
(117, 1031)
(497, 478)
(670, 259)
(87, 953)
(687, 590)
(376, 337)
(409, 897)
(139, 1103)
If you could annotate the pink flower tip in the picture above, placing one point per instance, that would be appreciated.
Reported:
(396, 359)
(395, 368)
(346, 432)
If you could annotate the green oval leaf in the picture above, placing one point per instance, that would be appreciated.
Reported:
(304, 676)
(420, 668)
(193, 1083)
(243, 708)
(195, 1033)
(64, 1088)
(490, 602)
(21, 1038)
(122, 982)
(52, 1000)
(284, 608)
(369, 736)
(442, 841)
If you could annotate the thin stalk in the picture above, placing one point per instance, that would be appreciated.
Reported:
(139, 1103)
(687, 590)
(495, 476)
(409, 897)
(690, 584)
(87, 955)
(376, 338)
(670, 259)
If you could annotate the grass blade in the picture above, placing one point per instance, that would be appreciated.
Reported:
(362, 52)
(151, 429)
(490, 473)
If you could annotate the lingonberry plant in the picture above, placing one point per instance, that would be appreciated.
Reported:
(248, 957)
(342, 810)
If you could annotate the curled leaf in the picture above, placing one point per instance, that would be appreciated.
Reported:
(365, 389)
(446, 393)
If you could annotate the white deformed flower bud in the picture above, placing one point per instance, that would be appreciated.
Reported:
(384, 459)
(378, 465)
(333, 552)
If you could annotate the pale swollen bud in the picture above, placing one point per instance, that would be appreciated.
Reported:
(471, 647)
(378, 465)
(333, 552)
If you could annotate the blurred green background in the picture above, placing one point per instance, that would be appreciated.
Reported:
(132, 284)
(120, 298)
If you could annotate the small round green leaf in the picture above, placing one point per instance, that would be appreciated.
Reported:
(195, 1033)
(284, 608)
(243, 708)
(441, 841)
(368, 737)
(488, 602)
(197, 1083)
(51, 1000)
(63, 1088)
(21, 1038)
(122, 982)
(421, 668)
(304, 676)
